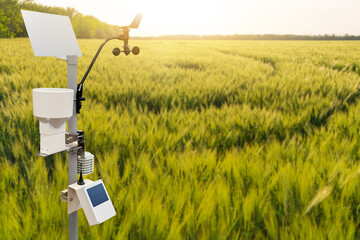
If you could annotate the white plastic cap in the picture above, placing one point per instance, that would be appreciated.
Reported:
(53, 102)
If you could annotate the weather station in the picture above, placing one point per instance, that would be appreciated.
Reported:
(53, 36)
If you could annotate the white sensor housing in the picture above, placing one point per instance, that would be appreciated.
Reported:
(93, 198)
(52, 107)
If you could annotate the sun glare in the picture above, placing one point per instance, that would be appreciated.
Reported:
(186, 16)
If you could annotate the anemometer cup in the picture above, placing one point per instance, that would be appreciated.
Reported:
(135, 50)
(52, 107)
(116, 51)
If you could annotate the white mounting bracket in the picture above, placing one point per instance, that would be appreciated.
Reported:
(71, 144)
(74, 202)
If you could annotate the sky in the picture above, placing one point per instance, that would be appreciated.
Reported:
(225, 17)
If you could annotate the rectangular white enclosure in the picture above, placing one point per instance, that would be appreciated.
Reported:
(94, 200)
(50, 35)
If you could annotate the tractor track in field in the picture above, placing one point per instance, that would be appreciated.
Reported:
(317, 121)
(352, 67)
(352, 97)
(264, 60)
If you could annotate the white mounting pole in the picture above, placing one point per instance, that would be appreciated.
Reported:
(72, 129)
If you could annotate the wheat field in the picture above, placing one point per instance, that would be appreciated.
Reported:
(193, 140)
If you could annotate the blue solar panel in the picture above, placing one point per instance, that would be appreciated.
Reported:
(97, 194)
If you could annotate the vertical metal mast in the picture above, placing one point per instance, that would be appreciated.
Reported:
(72, 129)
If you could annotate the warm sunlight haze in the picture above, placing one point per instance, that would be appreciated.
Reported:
(198, 119)
(208, 17)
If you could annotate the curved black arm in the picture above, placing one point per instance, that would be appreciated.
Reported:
(116, 51)
(94, 59)
(79, 98)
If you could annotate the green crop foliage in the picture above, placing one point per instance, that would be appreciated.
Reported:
(194, 140)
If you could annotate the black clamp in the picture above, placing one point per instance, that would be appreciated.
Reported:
(79, 97)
